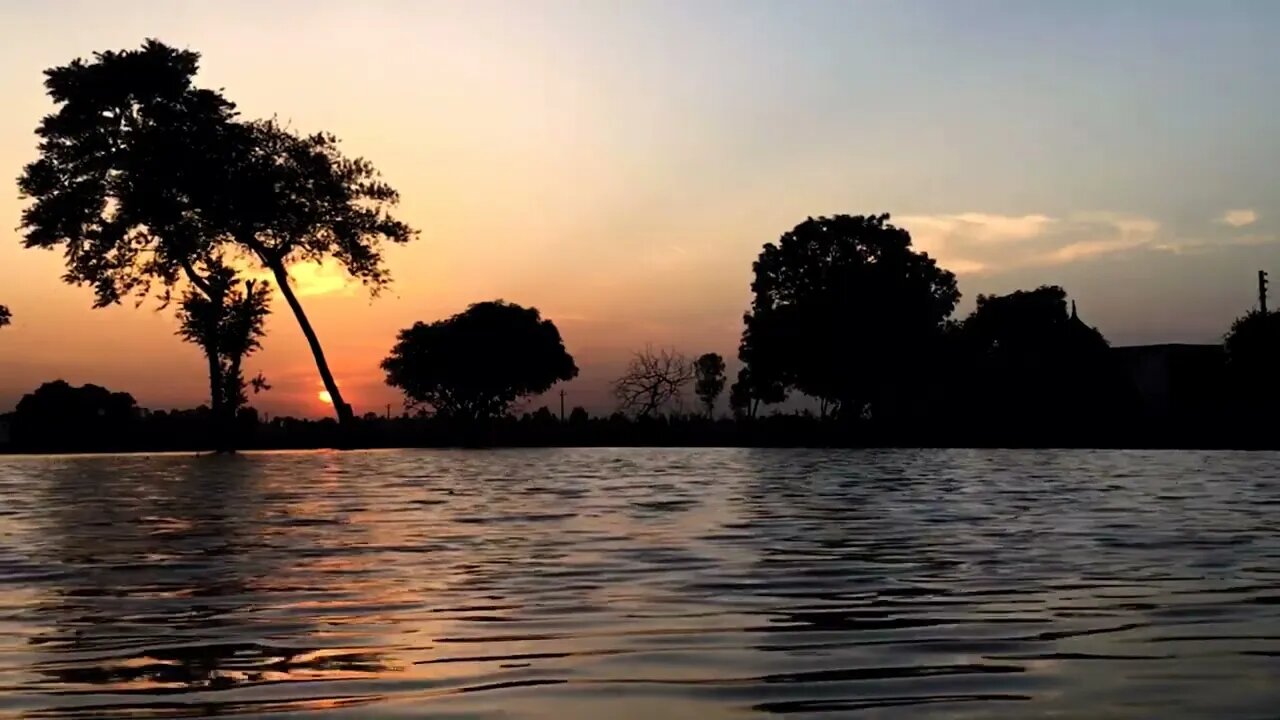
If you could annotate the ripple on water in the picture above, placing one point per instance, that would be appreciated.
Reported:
(639, 583)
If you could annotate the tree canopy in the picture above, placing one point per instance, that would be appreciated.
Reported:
(844, 310)
(709, 380)
(1026, 363)
(1253, 354)
(475, 365)
(145, 180)
(58, 414)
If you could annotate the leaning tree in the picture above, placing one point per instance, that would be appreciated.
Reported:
(147, 182)
(475, 365)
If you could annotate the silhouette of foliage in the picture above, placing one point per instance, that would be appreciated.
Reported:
(5, 316)
(476, 364)
(1030, 363)
(123, 165)
(228, 324)
(1253, 354)
(709, 380)
(58, 415)
(296, 198)
(652, 381)
(143, 178)
(751, 389)
(846, 311)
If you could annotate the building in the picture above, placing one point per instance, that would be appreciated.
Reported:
(1177, 383)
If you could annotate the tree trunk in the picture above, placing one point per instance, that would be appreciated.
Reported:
(216, 400)
(343, 410)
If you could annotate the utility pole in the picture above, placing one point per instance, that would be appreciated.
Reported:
(1262, 291)
(388, 411)
(561, 404)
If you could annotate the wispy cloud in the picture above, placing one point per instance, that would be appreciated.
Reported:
(973, 242)
(1238, 218)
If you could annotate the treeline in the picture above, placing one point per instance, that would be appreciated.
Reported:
(155, 188)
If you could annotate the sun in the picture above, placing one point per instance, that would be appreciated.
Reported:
(325, 397)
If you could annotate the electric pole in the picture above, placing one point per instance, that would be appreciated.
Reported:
(1262, 291)
(561, 404)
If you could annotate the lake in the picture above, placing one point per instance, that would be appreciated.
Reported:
(642, 583)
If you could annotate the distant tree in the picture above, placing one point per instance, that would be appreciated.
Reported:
(1253, 356)
(1030, 362)
(579, 416)
(228, 325)
(709, 380)
(846, 311)
(753, 388)
(652, 381)
(5, 316)
(59, 416)
(144, 179)
(476, 364)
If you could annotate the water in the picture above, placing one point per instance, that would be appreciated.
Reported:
(642, 584)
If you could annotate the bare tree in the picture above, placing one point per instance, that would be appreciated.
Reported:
(653, 380)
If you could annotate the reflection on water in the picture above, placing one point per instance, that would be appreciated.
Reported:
(641, 583)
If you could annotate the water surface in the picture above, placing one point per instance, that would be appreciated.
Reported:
(642, 583)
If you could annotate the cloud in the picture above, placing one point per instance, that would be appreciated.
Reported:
(1238, 218)
(974, 242)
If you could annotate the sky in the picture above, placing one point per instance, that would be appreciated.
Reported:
(620, 164)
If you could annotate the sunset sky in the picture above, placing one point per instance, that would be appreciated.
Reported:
(619, 164)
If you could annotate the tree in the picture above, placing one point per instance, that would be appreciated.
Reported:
(1253, 354)
(652, 381)
(123, 167)
(845, 310)
(296, 198)
(5, 316)
(60, 416)
(476, 364)
(144, 179)
(228, 325)
(1024, 359)
(709, 380)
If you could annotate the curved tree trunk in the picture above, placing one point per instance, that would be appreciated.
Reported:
(339, 405)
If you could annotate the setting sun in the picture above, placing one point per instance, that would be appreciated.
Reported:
(325, 397)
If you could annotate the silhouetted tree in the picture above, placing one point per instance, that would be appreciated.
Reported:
(749, 391)
(1253, 357)
(5, 316)
(143, 178)
(296, 198)
(709, 380)
(59, 416)
(228, 325)
(579, 416)
(476, 364)
(846, 311)
(652, 382)
(1035, 367)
